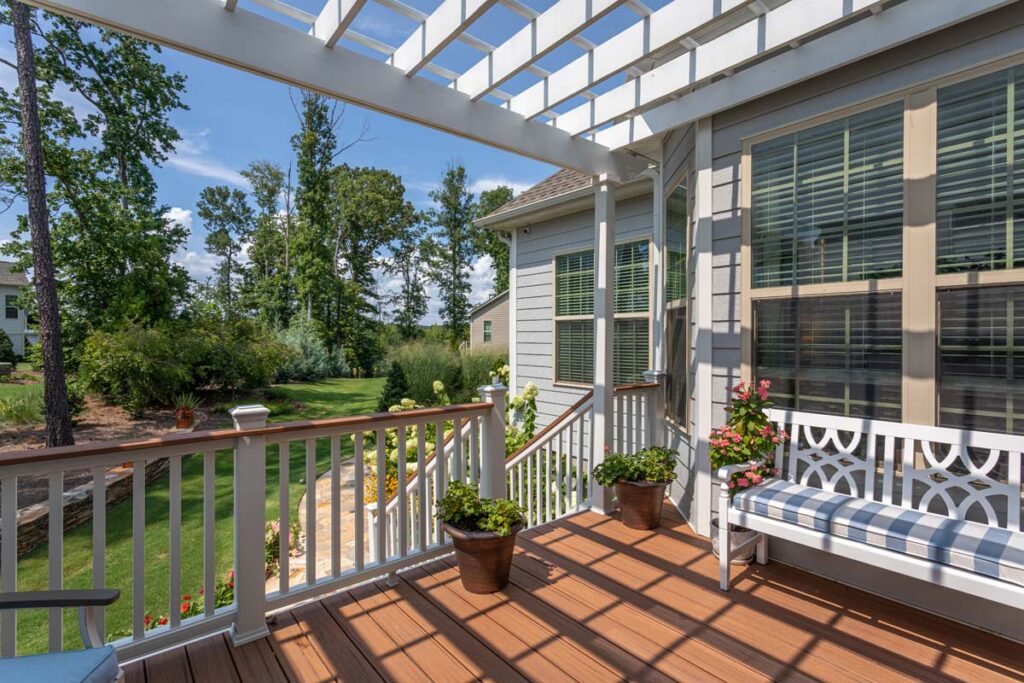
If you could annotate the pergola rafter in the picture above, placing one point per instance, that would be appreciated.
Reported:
(687, 60)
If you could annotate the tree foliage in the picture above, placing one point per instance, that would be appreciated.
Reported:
(451, 249)
(491, 242)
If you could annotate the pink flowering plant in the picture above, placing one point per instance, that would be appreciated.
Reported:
(748, 437)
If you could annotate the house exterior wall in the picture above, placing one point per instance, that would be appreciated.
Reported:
(536, 247)
(983, 40)
(15, 328)
(497, 313)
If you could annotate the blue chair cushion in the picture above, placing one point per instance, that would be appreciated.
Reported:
(979, 548)
(94, 665)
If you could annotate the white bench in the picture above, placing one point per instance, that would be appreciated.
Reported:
(940, 505)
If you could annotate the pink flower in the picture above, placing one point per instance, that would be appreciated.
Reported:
(766, 383)
(775, 439)
(742, 482)
(757, 479)
(778, 471)
(763, 393)
(732, 484)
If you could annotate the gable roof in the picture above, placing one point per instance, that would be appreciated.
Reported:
(558, 183)
(9, 277)
(493, 300)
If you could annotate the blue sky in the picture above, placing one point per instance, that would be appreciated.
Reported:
(235, 117)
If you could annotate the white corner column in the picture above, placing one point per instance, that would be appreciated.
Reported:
(513, 314)
(658, 260)
(702, 301)
(604, 333)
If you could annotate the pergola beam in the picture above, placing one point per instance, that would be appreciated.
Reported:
(444, 25)
(262, 46)
(776, 29)
(881, 31)
(335, 18)
(666, 26)
(544, 33)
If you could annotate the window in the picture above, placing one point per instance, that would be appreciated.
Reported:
(487, 332)
(676, 338)
(827, 202)
(839, 354)
(981, 358)
(979, 196)
(574, 314)
(11, 307)
(937, 335)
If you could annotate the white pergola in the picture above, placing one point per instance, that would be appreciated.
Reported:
(602, 111)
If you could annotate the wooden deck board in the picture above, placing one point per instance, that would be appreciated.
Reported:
(591, 600)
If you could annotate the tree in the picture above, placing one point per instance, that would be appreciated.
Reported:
(451, 249)
(268, 285)
(410, 303)
(55, 390)
(228, 220)
(491, 242)
(111, 246)
(396, 387)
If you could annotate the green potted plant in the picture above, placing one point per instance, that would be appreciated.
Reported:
(484, 532)
(185, 410)
(748, 438)
(639, 480)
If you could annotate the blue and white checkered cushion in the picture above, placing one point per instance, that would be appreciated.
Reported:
(990, 551)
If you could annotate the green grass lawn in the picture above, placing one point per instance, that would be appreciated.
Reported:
(12, 390)
(334, 397)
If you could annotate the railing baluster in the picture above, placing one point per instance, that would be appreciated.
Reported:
(310, 512)
(55, 538)
(458, 464)
(441, 476)
(335, 505)
(573, 485)
(548, 503)
(359, 506)
(99, 538)
(138, 548)
(421, 486)
(8, 561)
(559, 455)
(531, 520)
(519, 482)
(209, 532)
(284, 451)
(474, 449)
(174, 541)
(403, 504)
(382, 525)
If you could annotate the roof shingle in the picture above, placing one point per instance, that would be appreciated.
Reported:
(9, 277)
(559, 183)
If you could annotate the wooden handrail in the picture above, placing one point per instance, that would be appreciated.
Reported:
(376, 420)
(639, 386)
(552, 425)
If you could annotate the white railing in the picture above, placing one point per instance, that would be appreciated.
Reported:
(194, 523)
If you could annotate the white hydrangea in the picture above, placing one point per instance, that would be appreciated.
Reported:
(438, 386)
(530, 391)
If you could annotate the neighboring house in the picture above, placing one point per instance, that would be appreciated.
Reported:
(851, 238)
(13, 321)
(488, 323)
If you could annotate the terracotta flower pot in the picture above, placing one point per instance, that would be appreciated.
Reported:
(484, 557)
(184, 419)
(640, 503)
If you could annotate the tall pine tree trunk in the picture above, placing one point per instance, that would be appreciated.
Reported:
(55, 391)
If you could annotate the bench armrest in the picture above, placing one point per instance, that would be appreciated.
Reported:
(100, 597)
(87, 601)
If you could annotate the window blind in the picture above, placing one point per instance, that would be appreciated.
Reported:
(632, 354)
(574, 284)
(574, 349)
(675, 271)
(11, 307)
(980, 217)
(838, 354)
(632, 277)
(827, 202)
(981, 358)
(678, 349)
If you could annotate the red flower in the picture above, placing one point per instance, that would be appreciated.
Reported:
(162, 621)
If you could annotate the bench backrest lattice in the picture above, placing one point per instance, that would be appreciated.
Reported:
(965, 475)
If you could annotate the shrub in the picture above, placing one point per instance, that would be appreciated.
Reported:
(463, 508)
(650, 464)
(237, 354)
(396, 387)
(311, 360)
(425, 362)
(477, 368)
(7, 354)
(26, 409)
(76, 397)
(34, 356)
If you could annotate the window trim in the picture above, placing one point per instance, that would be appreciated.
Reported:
(17, 310)
(616, 316)
(920, 282)
(684, 177)
(487, 331)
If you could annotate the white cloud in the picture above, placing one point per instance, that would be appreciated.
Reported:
(192, 156)
(182, 217)
(481, 279)
(199, 264)
(62, 93)
(490, 182)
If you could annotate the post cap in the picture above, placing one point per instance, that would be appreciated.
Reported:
(247, 417)
(654, 375)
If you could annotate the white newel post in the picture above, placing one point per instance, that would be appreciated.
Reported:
(604, 333)
(654, 427)
(492, 442)
(250, 513)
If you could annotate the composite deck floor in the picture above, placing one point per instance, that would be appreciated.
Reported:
(593, 601)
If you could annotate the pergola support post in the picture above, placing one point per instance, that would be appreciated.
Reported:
(604, 333)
